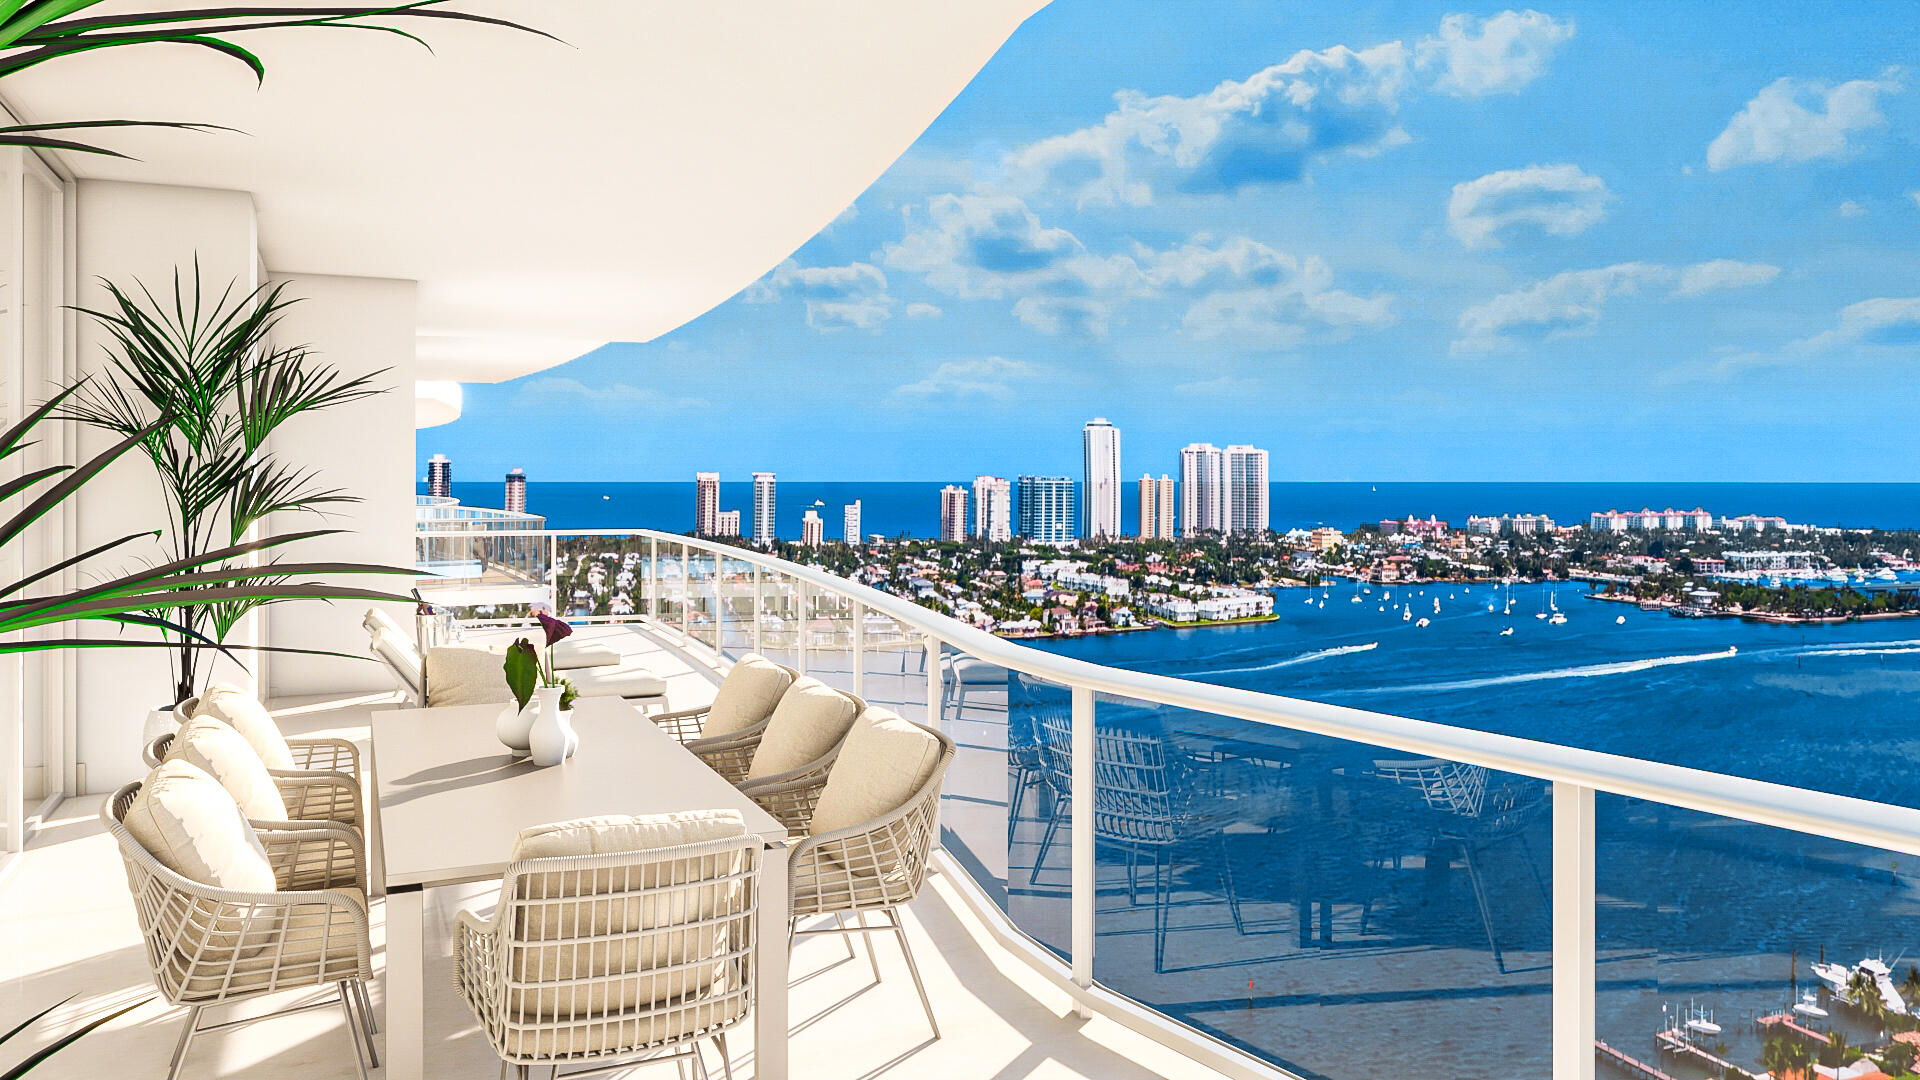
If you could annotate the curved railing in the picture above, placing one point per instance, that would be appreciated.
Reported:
(1337, 828)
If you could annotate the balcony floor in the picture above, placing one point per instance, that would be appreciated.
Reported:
(70, 930)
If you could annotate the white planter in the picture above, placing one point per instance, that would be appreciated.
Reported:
(552, 739)
(160, 721)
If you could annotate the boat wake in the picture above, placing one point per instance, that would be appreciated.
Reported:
(1303, 658)
(1590, 671)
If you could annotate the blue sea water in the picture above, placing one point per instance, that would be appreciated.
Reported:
(913, 509)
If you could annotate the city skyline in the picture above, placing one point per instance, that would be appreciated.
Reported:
(1467, 231)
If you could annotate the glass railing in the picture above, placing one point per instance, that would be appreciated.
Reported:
(1331, 892)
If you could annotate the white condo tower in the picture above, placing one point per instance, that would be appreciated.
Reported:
(1203, 490)
(763, 530)
(1100, 444)
(1246, 490)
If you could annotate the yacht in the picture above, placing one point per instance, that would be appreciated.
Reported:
(1700, 1022)
(1809, 1005)
(1424, 623)
(1838, 976)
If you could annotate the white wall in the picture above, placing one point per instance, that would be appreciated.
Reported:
(127, 232)
(358, 325)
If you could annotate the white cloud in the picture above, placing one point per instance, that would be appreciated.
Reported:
(1851, 209)
(1801, 120)
(1498, 55)
(1561, 200)
(1260, 296)
(837, 297)
(985, 378)
(1218, 387)
(923, 311)
(1880, 321)
(982, 247)
(1570, 303)
(559, 393)
(1702, 278)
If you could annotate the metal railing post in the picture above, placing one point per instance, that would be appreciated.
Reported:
(719, 610)
(936, 705)
(800, 625)
(686, 595)
(653, 579)
(1082, 895)
(1573, 930)
(859, 649)
(553, 572)
(758, 607)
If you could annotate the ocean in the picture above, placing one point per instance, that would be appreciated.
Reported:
(913, 509)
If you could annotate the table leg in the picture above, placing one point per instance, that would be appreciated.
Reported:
(406, 961)
(770, 969)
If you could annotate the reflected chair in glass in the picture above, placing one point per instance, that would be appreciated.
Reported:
(1149, 799)
(872, 867)
(612, 960)
(1462, 812)
(208, 946)
(964, 675)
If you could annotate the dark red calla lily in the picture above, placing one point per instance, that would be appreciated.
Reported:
(555, 629)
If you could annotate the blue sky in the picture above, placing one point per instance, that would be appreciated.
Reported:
(1410, 242)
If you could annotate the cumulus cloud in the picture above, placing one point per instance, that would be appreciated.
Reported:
(1498, 55)
(1851, 209)
(985, 378)
(836, 297)
(1570, 303)
(1801, 120)
(1257, 295)
(923, 311)
(557, 393)
(1561, 200)
(1880, 321)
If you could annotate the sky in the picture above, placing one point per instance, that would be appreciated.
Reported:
(1408, 242)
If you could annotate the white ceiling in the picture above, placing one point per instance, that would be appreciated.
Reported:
(547, 197)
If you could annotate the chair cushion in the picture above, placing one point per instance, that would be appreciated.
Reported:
(570, 654)
(401, 658)
(188, 822)
(747, 696)
(615, 681)
(466, 675)
(884, 760)
(376, 620)
(244, 713)
(224, 754)
(604, 835)
(810, 720)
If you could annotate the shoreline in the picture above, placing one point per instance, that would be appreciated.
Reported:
(1678, 610)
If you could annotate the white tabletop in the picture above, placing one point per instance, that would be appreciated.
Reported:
(451, 799)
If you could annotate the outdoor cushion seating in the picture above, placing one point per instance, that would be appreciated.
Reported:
(615, 939)
(323, 783)
(244, 713)
(471, 675)
(810, 718)
(223, 753)
(745, 698)
(567, 655)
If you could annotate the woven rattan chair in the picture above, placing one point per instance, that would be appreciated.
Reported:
(686, 725)
(732, 755)
(875, 866)
(605, 961)
(311, 794)
(208, 946)
(311, 753)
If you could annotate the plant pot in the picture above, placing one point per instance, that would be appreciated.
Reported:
(514, 724)
(160, 721)
(552, 738)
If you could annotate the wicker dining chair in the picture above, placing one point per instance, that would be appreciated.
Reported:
(745, 691)
(310, 794)
(732, 755)
(209, 946)
(874, 866)
(610, 960)
(311, 753)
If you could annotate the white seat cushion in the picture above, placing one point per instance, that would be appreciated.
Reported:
(604, 835)
(224, 754)
(402, 659)
(571, 654)
(884, 760)
(188, 822)
(748, 695)
(244, 713)
(376, 620)
(465, 675)
(810, 720)
(615, 682)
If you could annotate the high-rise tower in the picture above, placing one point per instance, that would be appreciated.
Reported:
(706, 504)
(763, 530)
(516, 496)
(440, 476)
(1100, 449)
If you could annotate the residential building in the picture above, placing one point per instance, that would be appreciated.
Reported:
(516, 493)
(850, 522)
(1046, 508)
(1100, 455)
(1203, 490)
(1325, 539)
(953, 513)
(706, 503)
(440, 476)
(1247, 490)
(812, 530)
(726, 523)
(1149, 507)
(763, 501)
(992, 509)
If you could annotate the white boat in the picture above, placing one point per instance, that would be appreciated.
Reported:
(1356, 599)
(1424, 622)
(1491, 608)
(1809, 1005)
(1619, 620)
(1556, 619)
(1407, 615)
(1436, 605)
(1700, 1022)
(1323, 603)
(1838, 976)
(1507, 632)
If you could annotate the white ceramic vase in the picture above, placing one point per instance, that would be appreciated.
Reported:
(552, 740)
(160, 721)
(514, 725)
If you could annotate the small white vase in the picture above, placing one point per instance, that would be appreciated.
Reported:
(551, 739)
(514, 725)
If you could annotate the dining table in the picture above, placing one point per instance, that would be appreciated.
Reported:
(449, 800)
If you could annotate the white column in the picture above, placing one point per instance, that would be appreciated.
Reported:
(770, 968)
(936, 685)
(653, 579)
(686, 594)
(1082, 896)
(800, 625)
(1573, 932)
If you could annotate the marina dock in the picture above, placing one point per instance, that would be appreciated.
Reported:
(1786, 1022)
(1631, 1064)
(1675, 1041)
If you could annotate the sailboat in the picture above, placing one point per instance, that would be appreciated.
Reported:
(1542, 613)
(1436, 605)
(1557, 618)
(1407, 615)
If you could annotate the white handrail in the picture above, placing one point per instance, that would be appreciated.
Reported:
(1859, 821)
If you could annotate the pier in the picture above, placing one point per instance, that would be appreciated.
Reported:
(1786, 1022)
(1675, 1041)
(1633, 1065)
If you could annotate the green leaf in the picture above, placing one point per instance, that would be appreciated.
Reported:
(523, 669)
(28, 1022)
(65, 1041)
(69, 484)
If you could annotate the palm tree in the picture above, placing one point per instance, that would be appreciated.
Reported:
(1910, 984)
(1837, 1051)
